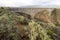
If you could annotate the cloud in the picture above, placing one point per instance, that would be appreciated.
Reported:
(15, 3)
(18, 3)
(46, 2)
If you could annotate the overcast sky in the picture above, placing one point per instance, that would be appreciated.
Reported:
(19, 3)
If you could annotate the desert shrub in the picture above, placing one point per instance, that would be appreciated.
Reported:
(52, 30)
(8, 22)
(8, 30)
(22, 20)
(37, 32)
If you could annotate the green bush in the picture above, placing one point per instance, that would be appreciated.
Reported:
(8, 30)
(37, 32)
(8, 22)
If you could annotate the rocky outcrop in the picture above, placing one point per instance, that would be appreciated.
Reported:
(46, 16)
(30, 11)
(43, 16)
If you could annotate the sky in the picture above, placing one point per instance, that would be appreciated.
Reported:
(19, 3)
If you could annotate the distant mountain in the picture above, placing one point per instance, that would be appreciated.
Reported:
(40, 6)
